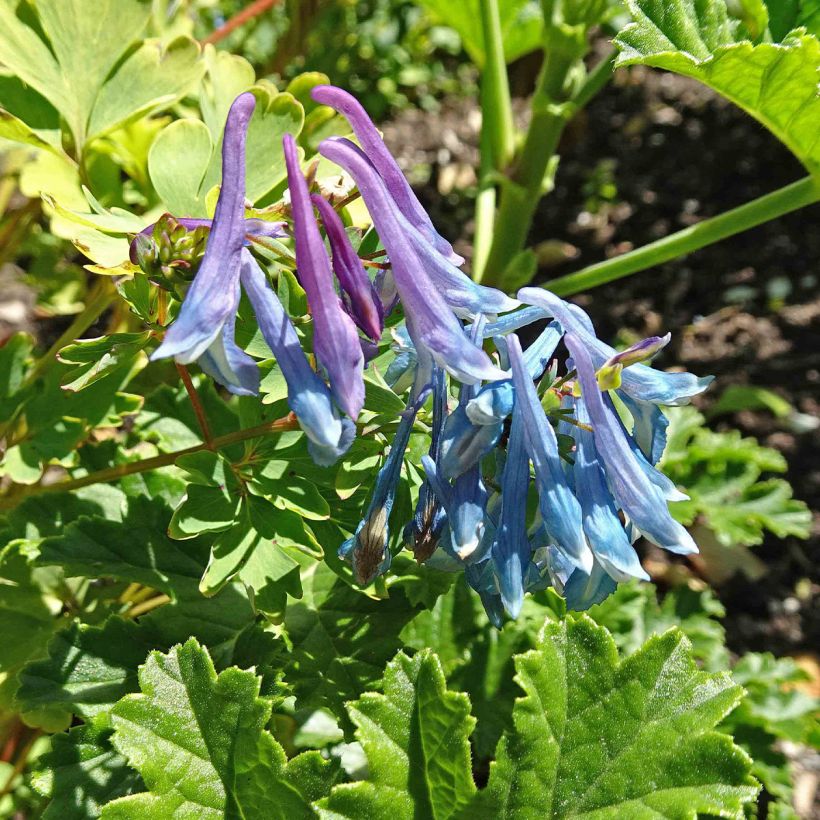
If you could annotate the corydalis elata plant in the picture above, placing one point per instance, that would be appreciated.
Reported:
(593, 436)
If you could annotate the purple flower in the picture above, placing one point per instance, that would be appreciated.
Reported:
(369, 138)
(430, 321)
(213, 295)
(329, 435)
(364, 304)
(335, 340)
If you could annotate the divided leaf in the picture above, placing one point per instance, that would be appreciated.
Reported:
(416, 738)
(597, 738)
(84, 67)
(199, 741)
(774, 82)
(341, 639)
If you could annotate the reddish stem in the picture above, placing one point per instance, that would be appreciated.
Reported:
(239, 19)
(199, 410)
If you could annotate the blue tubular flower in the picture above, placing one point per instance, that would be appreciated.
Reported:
(375, 149)
(464, 444)
(511, 547)
(365, 305)
(463, 502)
(368, 548)
(329, 435)
(583, 590)
(650, 424)
(494, 402)
(559, 507)
(335, 340)
(212, 296)
(423, 532)
(640, 499)
(638, 381)
(606, 534)
(430, 321)
(226, 362)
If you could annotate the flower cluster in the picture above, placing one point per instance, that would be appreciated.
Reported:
(586, 444)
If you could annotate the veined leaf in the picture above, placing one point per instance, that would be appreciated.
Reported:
(774, 82)
(200, 744)
(416, 737)
(341, 639)
(597, 738)
(81, 69)
(80, 772)
(88, 669)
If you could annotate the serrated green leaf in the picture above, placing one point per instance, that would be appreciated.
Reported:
(416, 738)
(80, 772)
(341, 638)
(720, 473)
(27, 613)
(200, 744)
(774, 82)
(88, 669)
(772, 702)
(597, 738)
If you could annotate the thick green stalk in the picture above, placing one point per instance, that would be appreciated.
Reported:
(497, 132)
(496, 111)
(522, 191)
(782, 201)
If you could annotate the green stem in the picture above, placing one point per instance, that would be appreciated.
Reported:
(595, 81)
(484, 208)
(497, 133)
(496, 107)
(522, 191)
(782, 201)
(146, 464)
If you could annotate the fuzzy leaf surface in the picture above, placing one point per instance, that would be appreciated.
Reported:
(597, 738)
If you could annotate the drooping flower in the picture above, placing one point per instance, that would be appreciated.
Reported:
(329, 435)
(430, 321)
(213, 296)
(560, 509)
(335, 340)
(641, 500)
(364, 303)
(368, 549)
(511, 548)
(369, 138)
(424, 530)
